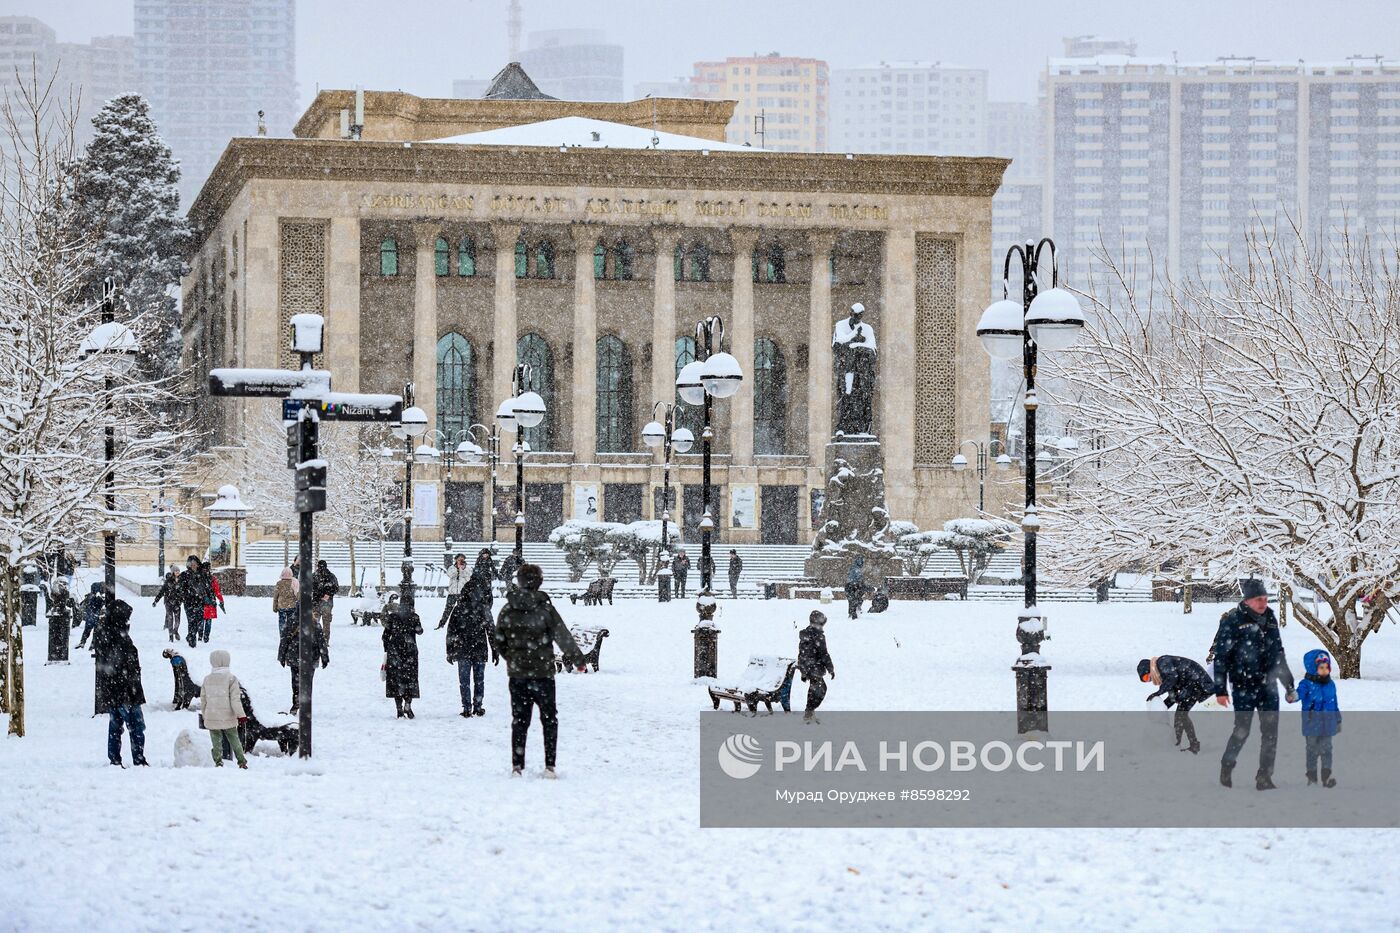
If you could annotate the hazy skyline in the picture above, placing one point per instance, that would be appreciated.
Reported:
(422, 46)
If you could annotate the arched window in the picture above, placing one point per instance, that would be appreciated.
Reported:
(770, 399)
(600, 261)
(544, 260)
(522, 259)
(699, 263)
(679, 262)
(776, 268)
(622, 261)
(442, 257)
(614, 407)
(755, 260)
(831, 268)
(533, 351)
(466, 257)
(389, 257)
(456, 376)
(688, 416)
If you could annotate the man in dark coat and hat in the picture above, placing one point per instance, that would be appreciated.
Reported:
(469, 629)
(1184, 683)
(118, 691)
(1249, 653)
(814, 661)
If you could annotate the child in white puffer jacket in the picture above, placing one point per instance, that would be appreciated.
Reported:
(221, 707)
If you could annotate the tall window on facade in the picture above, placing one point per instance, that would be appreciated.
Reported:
(622, 261)
(769, 264)
(522, 259)
(544, 260)
(466, 257)
(679, 262)
(533, 351)
(770, 399)
(600, 261)
(442, 257)
(389, 257)
(699, 263)
(687, 416)
(456, 375)
(614, 385)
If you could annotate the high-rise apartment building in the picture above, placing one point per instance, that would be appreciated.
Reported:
(1185, 159)
(94, 72)
(676, 87)
(208, 67)
(914, 107)
(574, 64)
(782, 100)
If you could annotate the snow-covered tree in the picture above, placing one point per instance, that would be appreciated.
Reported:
(606, 544)
(127, 191)
(1253, 430)
(972, 540)
(55, 398)
(362, 499)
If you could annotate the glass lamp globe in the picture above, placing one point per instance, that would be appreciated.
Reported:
(414, 421)
(721, 375)
(505, 416)
(1000, 329)
(529, 409)
(1003, 462)
(689, 384)
(1055, 319)
(469, 452)
(653, 435)
(682, 440)
(959, 463)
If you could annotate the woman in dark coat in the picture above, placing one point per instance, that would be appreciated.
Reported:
(118, 691)
(401, 630)
(469, 630)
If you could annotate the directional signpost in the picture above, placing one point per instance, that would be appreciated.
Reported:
(307, 399)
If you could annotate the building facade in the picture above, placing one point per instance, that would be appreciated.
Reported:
(786, 96)
(445, 264)
(208, 66)
(909, 107)
(574, 64)
(1184, 159)
(94, 72)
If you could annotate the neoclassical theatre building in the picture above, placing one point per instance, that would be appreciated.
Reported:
(454, 238)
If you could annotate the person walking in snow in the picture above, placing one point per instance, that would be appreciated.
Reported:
(63, 614)
(814, 662)
(117, 688)
(221, 708)
(855, 586)
(1322, 716)
(527, 629)
(680, 569)
(469, 629)
(1249, 653)
(324, 587)
(194, 592)
(285, 600)
(91, 611)
(214, 599)
(1184, 683)
(169, 592)
(289, 655)
(457, 576)
(400, 638)
(736, 567)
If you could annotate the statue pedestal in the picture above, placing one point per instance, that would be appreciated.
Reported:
(853, 516)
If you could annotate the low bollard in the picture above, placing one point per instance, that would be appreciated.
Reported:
(663, 585)
(706, 637)
(29, 595)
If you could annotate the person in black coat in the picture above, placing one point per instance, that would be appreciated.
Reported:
(736, 568)
(289, 655)
(170, 592)
(1248, 652)
(196, 591)
(814, 662)
(118, 691)
(680, 569)
(1184, 683)
(469, 630)
(63, 616)
(401, 630)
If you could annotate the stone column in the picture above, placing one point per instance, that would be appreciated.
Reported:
(585, 395)
(343, 304)
(503, 333)
(896, 367)
(819, 364)
(740, 333)
(663, 319)
(425, 328)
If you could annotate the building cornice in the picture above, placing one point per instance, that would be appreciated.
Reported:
(248, 159)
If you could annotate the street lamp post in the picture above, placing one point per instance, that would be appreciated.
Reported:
(413, 422)
(715, 374)
(525, 409)
(471, 452)
(114, 342)
(959, 463)
(1049, 320)
(668, 437)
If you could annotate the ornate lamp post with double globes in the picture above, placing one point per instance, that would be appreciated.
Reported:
(525, 409)
(413, 423)
(668, 437)
(959, 463)
(1042, 320)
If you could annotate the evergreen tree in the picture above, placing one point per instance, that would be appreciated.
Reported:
(127, 189)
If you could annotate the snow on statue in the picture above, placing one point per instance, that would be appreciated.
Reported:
(854, 349)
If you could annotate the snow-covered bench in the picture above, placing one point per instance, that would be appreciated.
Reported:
(767, 678)
(589, 640)
(597, 591)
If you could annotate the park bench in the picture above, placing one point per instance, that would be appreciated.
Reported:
(589, 640)
(767, 678)
(597, 591)
(925, 587)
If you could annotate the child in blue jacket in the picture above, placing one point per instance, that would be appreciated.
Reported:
(1322, 718)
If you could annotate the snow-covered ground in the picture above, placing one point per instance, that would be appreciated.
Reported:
(399, 824)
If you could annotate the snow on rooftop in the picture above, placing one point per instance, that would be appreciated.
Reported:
(587, 133)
